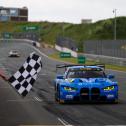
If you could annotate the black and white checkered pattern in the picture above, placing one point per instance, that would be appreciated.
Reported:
(25, 77)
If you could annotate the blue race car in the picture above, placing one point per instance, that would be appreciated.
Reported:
(85, 83)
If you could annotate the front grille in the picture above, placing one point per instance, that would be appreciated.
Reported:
(95, 93)
(84, 94)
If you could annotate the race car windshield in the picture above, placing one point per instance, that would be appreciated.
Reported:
(92, 73)
(14, 51)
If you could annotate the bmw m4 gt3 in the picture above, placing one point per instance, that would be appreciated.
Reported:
(85, 83)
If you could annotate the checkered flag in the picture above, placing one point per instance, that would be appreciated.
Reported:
(25, 77)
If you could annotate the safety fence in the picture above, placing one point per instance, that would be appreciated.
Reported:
(106, 47)
(107, 51)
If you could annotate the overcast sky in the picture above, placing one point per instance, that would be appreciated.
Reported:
(69, 10)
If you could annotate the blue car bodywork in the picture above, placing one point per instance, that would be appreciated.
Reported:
(85, 83)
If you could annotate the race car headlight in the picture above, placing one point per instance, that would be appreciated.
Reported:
(70, 89)
(109, 88)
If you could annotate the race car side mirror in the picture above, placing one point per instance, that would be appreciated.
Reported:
(110, 76)
(60, 77)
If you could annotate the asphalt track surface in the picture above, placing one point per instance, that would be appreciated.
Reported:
(40, 108)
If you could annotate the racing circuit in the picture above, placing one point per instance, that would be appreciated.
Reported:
(40, 108)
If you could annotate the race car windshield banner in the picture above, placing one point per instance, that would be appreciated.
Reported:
(25, 77)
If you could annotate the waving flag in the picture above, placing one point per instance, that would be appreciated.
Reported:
(25, 77)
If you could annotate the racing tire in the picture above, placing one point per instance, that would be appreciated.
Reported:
(114, 101)
(58, 96)
(57, 93)
(56, 99)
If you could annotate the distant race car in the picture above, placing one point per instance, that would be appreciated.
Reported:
(85, 83)
(14, 53)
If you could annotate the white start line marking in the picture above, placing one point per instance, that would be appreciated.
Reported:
(65, 123)
(38, 99)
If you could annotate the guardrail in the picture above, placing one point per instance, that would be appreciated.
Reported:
(106, 59)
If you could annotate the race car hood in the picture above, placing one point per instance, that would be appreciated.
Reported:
(91, 82)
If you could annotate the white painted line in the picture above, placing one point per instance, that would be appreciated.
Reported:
(38, 99)
(3, 68)
(40, 52)
(42, 74)
(51, 87)
(64, 122)
(21, 100)
(47, 56)
(5, 87)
